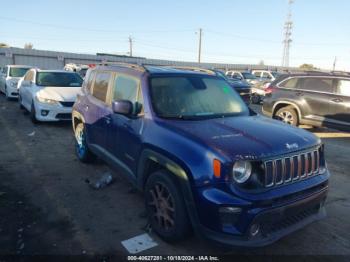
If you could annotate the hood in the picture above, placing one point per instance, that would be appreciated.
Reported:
(68, 94)
(245, 137)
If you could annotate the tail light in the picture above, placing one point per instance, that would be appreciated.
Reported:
(270, 90)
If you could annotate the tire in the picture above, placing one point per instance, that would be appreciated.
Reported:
(33, 114)
(163, 197)
(255, 99)
(81, 148)
(287, 115)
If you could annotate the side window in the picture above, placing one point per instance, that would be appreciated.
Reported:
(90, 79)
(266, 75)
(126, 88)
(318, 84)
(100, 88)
(291, 83)
(343, 87)
(257, 74)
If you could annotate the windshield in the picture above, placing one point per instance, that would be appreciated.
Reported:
(18, 71)
(193, 97)
(58, 79)
(247, 75)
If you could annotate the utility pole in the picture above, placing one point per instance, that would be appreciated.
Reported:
(130, 46)
(200, 45)
(288, 25)
(334, 63)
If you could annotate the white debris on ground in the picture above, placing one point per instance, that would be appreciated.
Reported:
(32, 133)
(139, 243)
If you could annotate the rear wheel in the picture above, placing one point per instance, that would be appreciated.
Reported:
(81, 148)
(165, 207)
(287, 115)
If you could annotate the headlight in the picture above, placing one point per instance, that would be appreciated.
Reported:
(241, 171)
(46, 100)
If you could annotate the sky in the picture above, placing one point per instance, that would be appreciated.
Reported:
(234, 31)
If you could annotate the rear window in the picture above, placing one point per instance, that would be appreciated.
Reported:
(61, 79)
(18, 71)
(344, 87)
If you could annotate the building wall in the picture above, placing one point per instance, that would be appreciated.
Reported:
(56, 60)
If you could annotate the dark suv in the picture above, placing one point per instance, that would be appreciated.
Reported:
(317, 99)
(203, 159)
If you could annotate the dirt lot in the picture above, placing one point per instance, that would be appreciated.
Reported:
(47, 208)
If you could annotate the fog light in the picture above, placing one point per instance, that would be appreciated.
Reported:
(254, 230)
(44, 112)
(229, 215)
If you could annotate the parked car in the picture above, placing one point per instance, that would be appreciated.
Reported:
(81, 69)
(266, 75)
(201, 157)
(49, 95)
(317, 99)
(247, 76)
(242, 87)
(9, 77)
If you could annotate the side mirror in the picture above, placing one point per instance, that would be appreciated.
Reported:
(122, 107)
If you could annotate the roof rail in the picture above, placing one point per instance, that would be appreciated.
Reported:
(126, 65)
(193, 68)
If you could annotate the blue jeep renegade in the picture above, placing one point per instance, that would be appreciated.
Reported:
(203, 159)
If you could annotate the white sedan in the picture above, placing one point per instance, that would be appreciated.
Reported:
(49, 95)
(9, 77)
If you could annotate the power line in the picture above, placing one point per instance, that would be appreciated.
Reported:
(140, 31)
(288, 25)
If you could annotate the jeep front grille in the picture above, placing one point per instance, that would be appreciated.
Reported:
(292, 168)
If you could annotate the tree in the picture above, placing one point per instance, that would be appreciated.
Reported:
(307, 67)
(28, 46)
(4, 45)
(261, 62)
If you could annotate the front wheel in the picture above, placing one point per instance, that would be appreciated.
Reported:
(287, 115)
(81, 148)
(165, 207)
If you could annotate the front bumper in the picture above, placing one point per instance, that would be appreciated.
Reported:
(12, 92)
(54, 112)
(275, 223)
(275, 218)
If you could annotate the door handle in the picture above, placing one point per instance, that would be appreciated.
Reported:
(299, 93)
(337, 100)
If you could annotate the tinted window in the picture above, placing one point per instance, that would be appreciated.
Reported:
(89, 81)
(247, 75)
(61, 79)
(344, 87)
(100, 88)
(257, 74)
(18, 71)
(291, 83)
(266, 75)
(126, 88)
(195, 97)
(318, 84)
